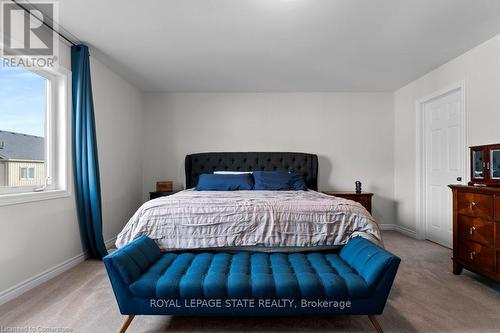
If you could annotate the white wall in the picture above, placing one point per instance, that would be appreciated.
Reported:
(34, 237)
(118, 111)
(351, 132)
(480, 68)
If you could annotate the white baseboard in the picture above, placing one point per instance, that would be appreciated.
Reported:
(398, 228)
(38, 279)
(110, 243)
(28, 284)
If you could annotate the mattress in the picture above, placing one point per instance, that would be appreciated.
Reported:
(268, 221)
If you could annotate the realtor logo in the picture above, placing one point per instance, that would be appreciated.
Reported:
(26, 40)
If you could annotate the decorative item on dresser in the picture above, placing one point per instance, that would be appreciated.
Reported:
(476, 230)
(165, 186)
(485, 165)
(364, 198)
(357, 185)
(157, 194)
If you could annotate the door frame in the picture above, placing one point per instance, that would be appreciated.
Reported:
(421, 148)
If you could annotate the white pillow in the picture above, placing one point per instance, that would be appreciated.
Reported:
(232, 172)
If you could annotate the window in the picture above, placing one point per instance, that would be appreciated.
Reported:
(33, 134)
(27, 173)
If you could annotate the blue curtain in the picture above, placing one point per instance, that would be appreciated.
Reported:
(86, 164)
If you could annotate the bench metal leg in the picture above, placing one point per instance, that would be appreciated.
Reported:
(376, 324)
(126, 324)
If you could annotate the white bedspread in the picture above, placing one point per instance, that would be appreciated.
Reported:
(267, 219)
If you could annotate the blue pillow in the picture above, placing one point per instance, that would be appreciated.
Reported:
(278, 181)
(214, 182)
(297, 182)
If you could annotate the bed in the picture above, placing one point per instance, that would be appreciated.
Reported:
(265, 221)
(180, 252)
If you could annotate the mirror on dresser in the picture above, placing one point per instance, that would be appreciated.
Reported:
(477, 164)
(495, 163)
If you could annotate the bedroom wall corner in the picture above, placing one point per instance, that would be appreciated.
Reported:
(118, 112)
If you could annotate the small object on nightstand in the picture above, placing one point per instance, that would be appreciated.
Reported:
(358, 186)
(164, 186)
(364, 198)
(157, 194)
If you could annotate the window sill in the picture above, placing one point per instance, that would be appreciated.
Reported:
(19, 198)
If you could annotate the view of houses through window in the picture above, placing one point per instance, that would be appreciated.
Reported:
(23, 104)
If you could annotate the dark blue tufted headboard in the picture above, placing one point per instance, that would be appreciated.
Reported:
(305, 164)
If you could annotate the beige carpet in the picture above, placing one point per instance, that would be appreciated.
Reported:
(426, 297)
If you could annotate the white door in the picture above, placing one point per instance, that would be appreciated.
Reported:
(444, 144)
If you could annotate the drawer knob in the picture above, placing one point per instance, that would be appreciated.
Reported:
(471, 230)
(472, 205)
(472, 255)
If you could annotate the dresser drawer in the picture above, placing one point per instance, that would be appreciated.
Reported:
(497, 237)
(476, 228)
(497, 207)
(474, 204)
(477, 255)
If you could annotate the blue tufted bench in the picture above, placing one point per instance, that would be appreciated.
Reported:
(356, 280)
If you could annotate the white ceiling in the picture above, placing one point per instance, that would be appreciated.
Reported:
(278, 45)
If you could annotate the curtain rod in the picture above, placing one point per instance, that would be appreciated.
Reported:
(44, 23)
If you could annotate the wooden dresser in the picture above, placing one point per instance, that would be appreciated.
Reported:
(364, 198)
(476, 230)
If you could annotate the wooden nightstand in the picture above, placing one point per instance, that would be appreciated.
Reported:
(154, 195)
(364, 198)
